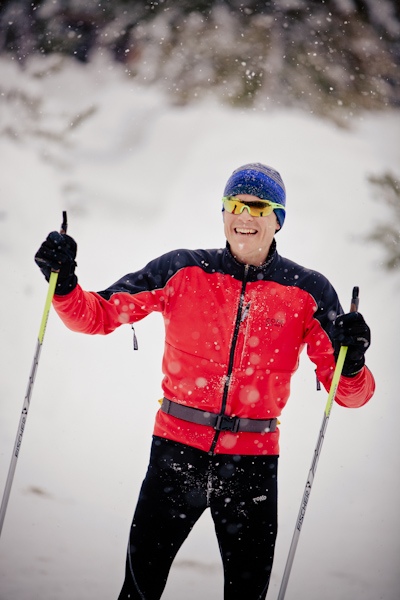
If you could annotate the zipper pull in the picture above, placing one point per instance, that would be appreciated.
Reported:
(135, 342)
(245, 312)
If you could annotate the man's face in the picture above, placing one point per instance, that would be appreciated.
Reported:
(250, 237)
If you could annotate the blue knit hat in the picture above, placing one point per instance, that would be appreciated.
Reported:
(261, 181)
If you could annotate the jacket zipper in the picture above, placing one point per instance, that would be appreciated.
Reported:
(239, 319)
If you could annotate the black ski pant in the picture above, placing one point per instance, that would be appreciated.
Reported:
(181, 482)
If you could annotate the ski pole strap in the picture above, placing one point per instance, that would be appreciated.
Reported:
(218, 422)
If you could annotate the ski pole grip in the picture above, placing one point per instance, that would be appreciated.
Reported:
(64, 227)
(64, 224)
(355, 299)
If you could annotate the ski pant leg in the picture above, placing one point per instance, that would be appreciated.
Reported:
(244, 510)
(172, 498)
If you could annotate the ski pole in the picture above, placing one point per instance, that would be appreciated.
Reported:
(317, 452)
(27, 399)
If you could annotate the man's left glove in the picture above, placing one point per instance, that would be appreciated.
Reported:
(58, 253)
(351, 330)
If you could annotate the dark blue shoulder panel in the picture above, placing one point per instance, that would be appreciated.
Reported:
(157, 272)
(278, 269)
(287, 272)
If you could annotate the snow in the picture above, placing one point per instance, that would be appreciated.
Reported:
(138, 178)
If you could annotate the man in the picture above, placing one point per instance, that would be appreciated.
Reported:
(236, 320)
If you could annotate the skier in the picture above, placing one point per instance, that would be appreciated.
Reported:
(236, 320)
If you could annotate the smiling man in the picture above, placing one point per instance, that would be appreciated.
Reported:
(253, 191)
(236, 320)
(248, 235)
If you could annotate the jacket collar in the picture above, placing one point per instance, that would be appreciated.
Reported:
(239, 270)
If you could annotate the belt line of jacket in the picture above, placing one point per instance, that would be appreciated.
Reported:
(220, 422)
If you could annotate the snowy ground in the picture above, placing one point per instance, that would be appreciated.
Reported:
(139, 178)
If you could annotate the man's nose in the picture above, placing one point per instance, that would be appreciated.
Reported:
(245, 214)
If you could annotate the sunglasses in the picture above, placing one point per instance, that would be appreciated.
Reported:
(255, 209)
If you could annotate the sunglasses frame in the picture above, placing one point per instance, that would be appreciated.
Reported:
(269, 206)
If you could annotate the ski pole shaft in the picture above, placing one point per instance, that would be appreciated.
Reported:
(317, 452)
(27, 399)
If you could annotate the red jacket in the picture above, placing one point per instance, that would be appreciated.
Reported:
(233, 336)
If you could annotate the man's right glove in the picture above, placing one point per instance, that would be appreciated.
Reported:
(351, 330)
(58, 253)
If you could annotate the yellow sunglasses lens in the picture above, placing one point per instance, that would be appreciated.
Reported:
(255, 209)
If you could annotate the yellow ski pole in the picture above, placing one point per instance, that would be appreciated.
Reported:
(27, 399)
(317, 452)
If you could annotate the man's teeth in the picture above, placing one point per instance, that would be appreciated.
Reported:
(245, 231)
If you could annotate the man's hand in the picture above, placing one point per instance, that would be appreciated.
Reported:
(351, 330)
(58, 253)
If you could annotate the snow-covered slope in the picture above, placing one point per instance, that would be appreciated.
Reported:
(139, 178)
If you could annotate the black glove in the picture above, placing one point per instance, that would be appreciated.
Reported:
(351, 330)
(58, 253)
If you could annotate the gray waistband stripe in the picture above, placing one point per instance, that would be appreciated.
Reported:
(218, 422)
